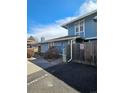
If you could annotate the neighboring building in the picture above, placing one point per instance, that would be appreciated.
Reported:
(81, 28)
(42, 39)
(32, 43)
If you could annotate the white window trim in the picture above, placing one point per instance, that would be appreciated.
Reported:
(77, 23)
(53, 44)
(79, 27)
(84, 27)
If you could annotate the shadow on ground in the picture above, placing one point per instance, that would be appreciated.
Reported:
(41, 62)
(79, 76)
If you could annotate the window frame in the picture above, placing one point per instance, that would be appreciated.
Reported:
(77, 24)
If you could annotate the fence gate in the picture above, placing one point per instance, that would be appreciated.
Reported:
(85, 52)
(77, 52)
(90, 52)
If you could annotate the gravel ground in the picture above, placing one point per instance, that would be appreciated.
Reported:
(79, 76)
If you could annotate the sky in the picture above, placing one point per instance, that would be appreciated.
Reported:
(44, 17)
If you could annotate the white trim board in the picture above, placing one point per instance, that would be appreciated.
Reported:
(91, 38)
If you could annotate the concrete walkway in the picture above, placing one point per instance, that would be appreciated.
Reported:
(32, 68)
(40, 81)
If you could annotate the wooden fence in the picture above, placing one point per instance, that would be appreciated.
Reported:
(85, 52)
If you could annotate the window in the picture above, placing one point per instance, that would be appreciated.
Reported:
(79, 27)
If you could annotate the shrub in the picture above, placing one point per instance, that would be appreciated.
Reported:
(52, 53)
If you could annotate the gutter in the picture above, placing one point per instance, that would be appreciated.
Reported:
(70, 52)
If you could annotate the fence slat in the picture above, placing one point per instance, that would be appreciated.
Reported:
(88, 55)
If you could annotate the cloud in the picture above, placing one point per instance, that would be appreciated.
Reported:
(55, 30)
(65, 20)
(48, 31)
(87, 6)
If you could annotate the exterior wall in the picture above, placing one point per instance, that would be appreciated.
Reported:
(82, 34)
(71, 29)
(44, 47)
(59, 44)
(90, 27)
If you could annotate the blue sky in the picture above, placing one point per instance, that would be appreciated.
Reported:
(44, 15)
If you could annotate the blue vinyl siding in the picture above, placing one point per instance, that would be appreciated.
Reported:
(44, 48)
(71, 29)
(82, 34)
(60, 45)
(90, 27)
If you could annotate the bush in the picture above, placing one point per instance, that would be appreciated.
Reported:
(52, 53)
(30, 52)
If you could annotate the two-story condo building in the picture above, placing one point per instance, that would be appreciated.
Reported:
(83, 27)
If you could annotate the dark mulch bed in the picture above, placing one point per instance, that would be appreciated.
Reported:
(79, 76)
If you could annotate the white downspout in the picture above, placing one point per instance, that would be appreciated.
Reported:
(70, 52)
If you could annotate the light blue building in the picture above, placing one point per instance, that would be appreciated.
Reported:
(83, 27)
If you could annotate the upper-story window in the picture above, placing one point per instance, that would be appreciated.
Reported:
(79, 27)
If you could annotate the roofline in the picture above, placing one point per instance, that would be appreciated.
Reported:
(67, 38)
(80, 17)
